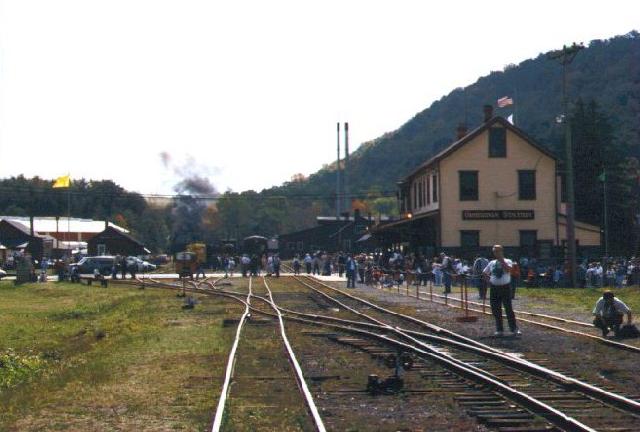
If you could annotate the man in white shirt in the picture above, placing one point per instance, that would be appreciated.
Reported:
(608, 313)
(498, 272)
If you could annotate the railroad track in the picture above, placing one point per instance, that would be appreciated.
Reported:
(550, 322)
(599, 407)
(251, 380)
(500, 389)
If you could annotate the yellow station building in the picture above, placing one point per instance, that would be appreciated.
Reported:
(492, 185)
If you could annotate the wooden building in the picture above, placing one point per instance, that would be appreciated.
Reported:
(16, 236)
(113, 241)
(493, 185)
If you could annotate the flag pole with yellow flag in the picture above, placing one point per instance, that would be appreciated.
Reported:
(65, 182)
(62, 182)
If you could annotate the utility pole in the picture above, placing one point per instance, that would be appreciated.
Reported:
(606, 211)
(565, 56)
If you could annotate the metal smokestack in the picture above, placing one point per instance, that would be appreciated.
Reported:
(347, 197)
(338, 186)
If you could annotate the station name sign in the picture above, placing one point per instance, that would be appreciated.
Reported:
(498, 214)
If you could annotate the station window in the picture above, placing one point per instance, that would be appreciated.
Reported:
(300, 246)
(428, 187)
(102, 249)
(468, 185)
(469, 239)
(497, 143)
(434, 181)
(527, 185)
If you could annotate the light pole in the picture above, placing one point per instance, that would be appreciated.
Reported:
(565, 56)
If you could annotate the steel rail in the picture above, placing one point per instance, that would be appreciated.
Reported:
(553, 415)
(605, 341)
(296, 366)
(217, 420)
(536, 406)
(524, 365)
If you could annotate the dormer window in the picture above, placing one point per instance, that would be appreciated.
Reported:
(497, 142)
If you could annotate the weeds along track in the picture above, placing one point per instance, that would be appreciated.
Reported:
(503, 391)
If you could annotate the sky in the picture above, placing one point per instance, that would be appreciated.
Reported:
(247, 93)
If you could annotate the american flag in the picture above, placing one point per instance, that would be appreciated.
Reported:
(505, 101)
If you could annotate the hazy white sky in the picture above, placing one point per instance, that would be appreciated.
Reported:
(250, 91)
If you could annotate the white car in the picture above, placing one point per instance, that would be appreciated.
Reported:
(2, 273)
(141, 266)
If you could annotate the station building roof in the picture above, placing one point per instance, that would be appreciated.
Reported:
(470, 136)
(48, 224)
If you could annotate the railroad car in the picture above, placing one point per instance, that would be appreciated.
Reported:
(255, 245)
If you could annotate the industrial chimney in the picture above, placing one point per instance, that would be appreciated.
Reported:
(338, 186)
(346, 168)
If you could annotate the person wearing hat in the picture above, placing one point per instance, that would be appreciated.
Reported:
(447, 271)
(608, 313)
(498, 271)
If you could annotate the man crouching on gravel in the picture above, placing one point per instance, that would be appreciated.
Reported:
(498, 272)
(609, 312)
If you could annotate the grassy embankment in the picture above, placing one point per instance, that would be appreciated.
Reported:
(74, 357)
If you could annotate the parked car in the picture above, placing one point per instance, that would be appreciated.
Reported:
(2, 273)
(141, 265)
(87, 265)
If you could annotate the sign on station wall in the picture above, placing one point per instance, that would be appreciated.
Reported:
(498, 214)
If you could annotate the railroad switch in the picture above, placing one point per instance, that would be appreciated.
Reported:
(399, 362)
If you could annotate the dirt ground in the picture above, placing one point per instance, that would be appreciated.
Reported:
(337, 376)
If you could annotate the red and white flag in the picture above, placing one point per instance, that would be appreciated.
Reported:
(505, 101)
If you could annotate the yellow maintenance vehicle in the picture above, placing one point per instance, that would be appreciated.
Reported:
(187, 262)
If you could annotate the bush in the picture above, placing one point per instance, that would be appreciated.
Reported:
(16, 368)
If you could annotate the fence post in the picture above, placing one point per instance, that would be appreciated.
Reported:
(431, 291)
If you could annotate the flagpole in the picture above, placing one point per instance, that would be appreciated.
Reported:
(69, 220)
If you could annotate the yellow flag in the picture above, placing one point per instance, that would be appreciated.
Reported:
(62, 182)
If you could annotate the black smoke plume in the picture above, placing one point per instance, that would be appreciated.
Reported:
(193, 189)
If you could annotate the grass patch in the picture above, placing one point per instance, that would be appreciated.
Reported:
(90, 358)
(576, 300)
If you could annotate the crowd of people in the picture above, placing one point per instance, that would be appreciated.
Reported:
(248, 264)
